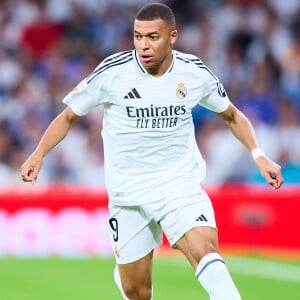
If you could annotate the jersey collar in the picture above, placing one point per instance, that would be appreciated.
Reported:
(143, 70)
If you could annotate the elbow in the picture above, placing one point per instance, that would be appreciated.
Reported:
(230, 120)
(70, 116)
(232, 115)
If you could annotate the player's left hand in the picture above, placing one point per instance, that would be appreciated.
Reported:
(271, 171)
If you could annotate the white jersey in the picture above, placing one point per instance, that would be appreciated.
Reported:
(148, 133)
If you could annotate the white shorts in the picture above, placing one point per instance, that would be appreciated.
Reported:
(136, 230)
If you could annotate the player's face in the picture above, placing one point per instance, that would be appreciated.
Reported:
(153, 41)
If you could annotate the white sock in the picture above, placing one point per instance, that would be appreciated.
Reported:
(213, 275)
(118, 282)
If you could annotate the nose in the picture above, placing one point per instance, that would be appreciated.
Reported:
(144, 43)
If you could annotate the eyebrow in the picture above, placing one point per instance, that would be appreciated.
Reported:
(150, 33)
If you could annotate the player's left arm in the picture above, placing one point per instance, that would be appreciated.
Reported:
(243, 130)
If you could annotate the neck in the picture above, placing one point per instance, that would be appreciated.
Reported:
(162, 66)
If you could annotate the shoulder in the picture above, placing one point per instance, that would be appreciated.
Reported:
(187, 58)
(195, 65)
(112, 63)
(114, 60)
(119, 57)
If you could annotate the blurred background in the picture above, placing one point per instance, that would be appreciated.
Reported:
(48, 46)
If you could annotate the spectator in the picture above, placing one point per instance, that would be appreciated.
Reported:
(259, 68)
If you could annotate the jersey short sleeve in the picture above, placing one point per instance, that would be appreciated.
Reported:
(210, 91)
(89, 93)
(214, 95)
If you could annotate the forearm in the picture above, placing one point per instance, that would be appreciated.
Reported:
(55, 133)
(243, 130)
(240, 126)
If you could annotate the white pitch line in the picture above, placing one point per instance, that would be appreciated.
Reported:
(252, 267)
(262, 268)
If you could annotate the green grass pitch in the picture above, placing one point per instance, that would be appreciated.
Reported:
(91, 278)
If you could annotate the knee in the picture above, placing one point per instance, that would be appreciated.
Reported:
(138, 292)
(197, 251)
(197, 243)
(207, 249)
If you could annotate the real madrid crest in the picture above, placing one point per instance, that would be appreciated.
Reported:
(181, 91)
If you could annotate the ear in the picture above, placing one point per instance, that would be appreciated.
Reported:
(174, 35)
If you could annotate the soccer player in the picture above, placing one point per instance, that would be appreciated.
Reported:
(152, 164)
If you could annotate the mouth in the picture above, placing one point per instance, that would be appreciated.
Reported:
(145, 58)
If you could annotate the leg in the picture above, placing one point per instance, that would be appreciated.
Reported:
(134, 235)
(200, 246)
(191, 227)
(135, 279)
(198, 242)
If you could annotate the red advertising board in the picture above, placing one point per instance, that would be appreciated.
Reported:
(254, 217)
(72, 221)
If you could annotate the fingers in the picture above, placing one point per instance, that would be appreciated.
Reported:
(271, 171)
(275, 180)
(29, 174)
(31, 168)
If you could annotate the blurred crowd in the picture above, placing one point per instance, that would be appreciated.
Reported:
(48, 46)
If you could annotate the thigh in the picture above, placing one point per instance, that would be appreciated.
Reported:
(133, 233)
(186, 214)
(137, 275)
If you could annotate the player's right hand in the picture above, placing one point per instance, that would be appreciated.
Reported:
(31, 168)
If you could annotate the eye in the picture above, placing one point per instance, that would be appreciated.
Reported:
(137, 36)
(153, 37)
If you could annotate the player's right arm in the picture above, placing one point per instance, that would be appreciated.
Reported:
(55, 133)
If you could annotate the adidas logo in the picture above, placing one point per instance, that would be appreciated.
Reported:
(201, 218)
(133, 94)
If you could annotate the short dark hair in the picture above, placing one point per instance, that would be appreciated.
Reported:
(153, 11)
